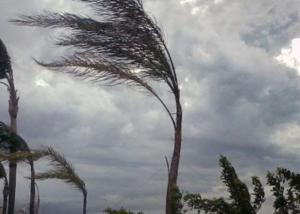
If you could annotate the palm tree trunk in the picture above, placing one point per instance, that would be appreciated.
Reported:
(5, 196)
(37, 207)
(84, 202)
(12, 187)
(13, 113)
(32, 188)
(173, 174)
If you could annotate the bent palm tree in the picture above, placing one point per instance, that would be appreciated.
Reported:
(63, 170)
(10, 141)
(126, 47)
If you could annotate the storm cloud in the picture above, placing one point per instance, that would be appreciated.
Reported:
(238, 101)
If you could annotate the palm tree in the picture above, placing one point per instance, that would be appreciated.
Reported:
(3, 176)
(63, 170)
(25, 156)
(7, 73)
(10, 141)
(126, 47)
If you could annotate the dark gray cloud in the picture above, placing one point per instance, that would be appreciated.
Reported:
(238, 101)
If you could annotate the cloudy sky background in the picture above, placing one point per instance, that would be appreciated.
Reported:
(238, 64)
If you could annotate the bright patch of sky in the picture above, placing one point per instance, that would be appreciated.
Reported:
(41, 82)
(218, 1)
(187, 1)
(196, 9)
(290, 135)
(290, 56)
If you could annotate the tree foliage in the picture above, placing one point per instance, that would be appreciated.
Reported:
(120, 211)
(286, 190)
(239, 201)
(10, 140)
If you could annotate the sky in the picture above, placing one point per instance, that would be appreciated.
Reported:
(238, 64)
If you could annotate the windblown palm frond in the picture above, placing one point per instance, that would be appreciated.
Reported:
(20, 156)
(127, 40)
(62, 170)
(5, 64)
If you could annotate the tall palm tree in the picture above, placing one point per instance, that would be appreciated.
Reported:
(10, 141)
(7, 73)
(3, 176)
(126, 46)
(63, 170)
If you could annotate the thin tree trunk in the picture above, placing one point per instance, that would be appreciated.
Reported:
(84, 202)
(12, 187)
(13, 113)
(32, 187)
(37, 208)
(5, 196)
(173, 174)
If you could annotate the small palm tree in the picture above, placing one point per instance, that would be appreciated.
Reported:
(126, 47)
(23, 156)
(10, 141)
(3, 176)
(63, 170)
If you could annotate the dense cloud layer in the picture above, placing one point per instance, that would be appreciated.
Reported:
(238, 101)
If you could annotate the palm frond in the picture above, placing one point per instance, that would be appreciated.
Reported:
(62, 170)
(94, 68)
(10, 140)
(20, 156)
(3, 174)
(5, 63)
(127, 38)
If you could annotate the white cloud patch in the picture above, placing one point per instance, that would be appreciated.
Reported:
(287, 138)
(218, 1)
(290, 56)
(41, 82)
